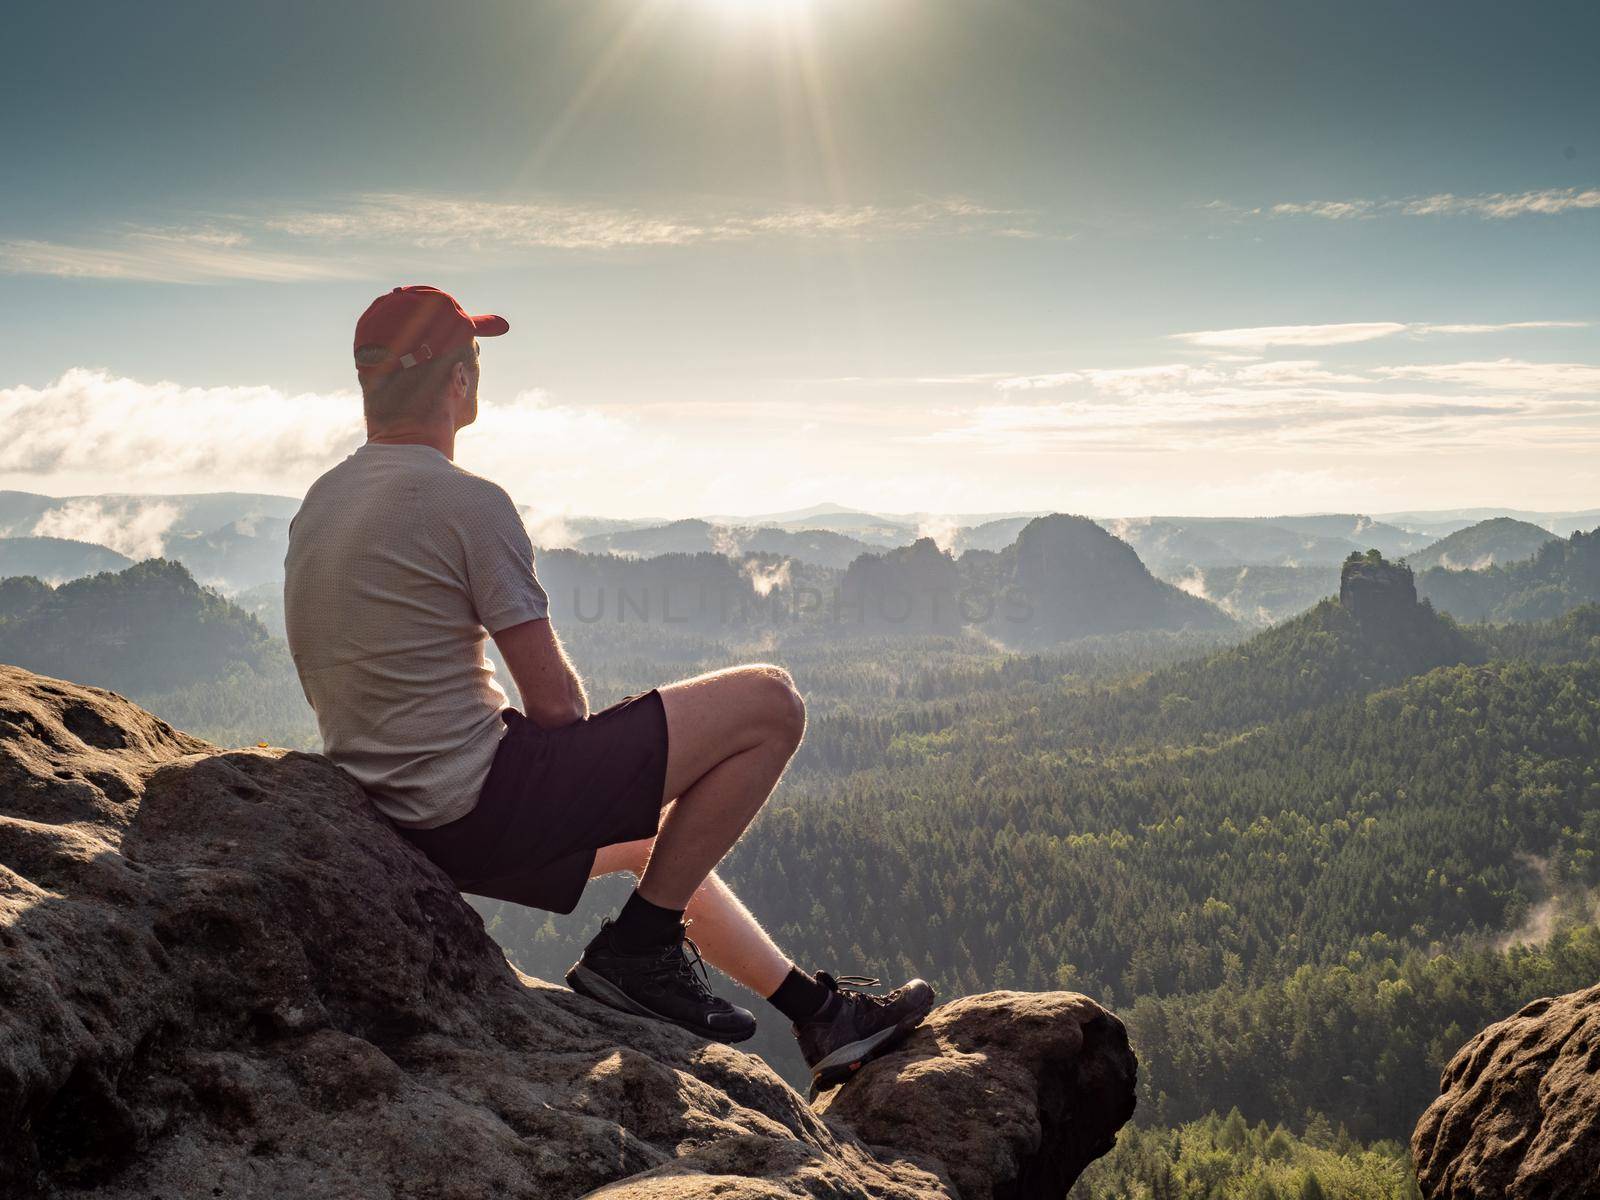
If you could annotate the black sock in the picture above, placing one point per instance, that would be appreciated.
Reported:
(642, 926)
(799, 997)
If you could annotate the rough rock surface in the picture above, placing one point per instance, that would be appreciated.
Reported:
(1378, 592)
(1518, 1114)
(222, 974)
(1028, 1134)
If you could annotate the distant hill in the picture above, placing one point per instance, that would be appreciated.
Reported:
(19, 593)
(1359, 530)
(1170, 544)
(1561, 576)
(990, 535)
(1065, 577)
(1376, 633)
(1440, 522)
(883, 529)
(1486, 544)
(21, 512)
(231, 539)
(240, 555)
(145, 629)
(56, 559)
(1259, 595)
(818, 546)
(911, 589)
(1062, 579)
(264, 602)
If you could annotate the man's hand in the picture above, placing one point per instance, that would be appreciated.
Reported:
(552, 693)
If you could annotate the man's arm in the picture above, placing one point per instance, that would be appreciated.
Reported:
(552, 693)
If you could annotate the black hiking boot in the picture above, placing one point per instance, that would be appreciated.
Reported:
(664, 983)
(855, 1027)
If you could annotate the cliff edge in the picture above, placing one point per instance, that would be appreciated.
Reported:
(223, 974)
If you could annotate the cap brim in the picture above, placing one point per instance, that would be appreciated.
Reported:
(487, 326)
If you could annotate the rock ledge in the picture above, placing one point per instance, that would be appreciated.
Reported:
(222, 974)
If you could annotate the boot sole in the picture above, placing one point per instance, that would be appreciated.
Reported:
(848, 1059)
(601, 990)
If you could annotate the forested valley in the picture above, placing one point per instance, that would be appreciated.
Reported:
(1304, 866)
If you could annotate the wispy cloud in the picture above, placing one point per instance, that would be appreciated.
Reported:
(145, 434)
(1263, 336)
(79, 428)
(1287, 405)
(1497, 206)
(335, 240)
(1275, 420)
(432, 221)
(1506, 374)
(130, 526)
(155, 255)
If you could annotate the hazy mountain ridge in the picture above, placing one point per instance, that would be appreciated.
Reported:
(1170, 544)
(1079, 580)
(1494, 542)
(236, 541)
(1562, 575)
(147, 629)
(1259, 595)
(57, 559)
(819, 546)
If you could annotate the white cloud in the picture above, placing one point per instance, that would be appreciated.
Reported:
(1274, 420)
(337, 240)
(163, 256)
(1502, 327)
(133, 527)
(432, 222)
(1285, 405)
(1028, 383)
(137, 435)
(1489, 205)
(1263, 336)
(1506, 374)
(544, 453)
(93, 431)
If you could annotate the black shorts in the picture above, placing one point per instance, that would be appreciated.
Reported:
(553, 797)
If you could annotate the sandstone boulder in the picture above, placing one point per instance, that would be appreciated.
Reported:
(222, 974)
(1518, 1113)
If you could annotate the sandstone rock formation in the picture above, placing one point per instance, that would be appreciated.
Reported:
(221, 974)
(1518, 1114)
(1378, 593)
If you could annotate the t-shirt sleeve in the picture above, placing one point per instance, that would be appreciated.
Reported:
(499, 561)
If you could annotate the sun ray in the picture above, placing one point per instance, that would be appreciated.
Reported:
(618, 53)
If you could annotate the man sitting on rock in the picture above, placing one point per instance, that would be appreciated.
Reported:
(400, 567)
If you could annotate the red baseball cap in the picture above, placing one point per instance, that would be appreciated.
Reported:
(418, 323)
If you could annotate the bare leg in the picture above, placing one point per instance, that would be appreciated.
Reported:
(729, 736)
(730, 938)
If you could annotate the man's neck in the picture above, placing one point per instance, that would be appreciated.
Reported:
(441, 438)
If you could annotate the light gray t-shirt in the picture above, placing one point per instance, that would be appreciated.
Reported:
(400, 566)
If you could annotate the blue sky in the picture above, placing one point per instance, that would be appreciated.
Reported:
(906, 254)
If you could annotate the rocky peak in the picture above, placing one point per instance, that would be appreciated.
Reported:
(223, 974)
(1376, 590)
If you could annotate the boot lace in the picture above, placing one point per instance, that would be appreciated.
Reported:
(685, 962)
(856, 987)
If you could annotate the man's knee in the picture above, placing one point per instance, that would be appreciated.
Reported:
(779, 702)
